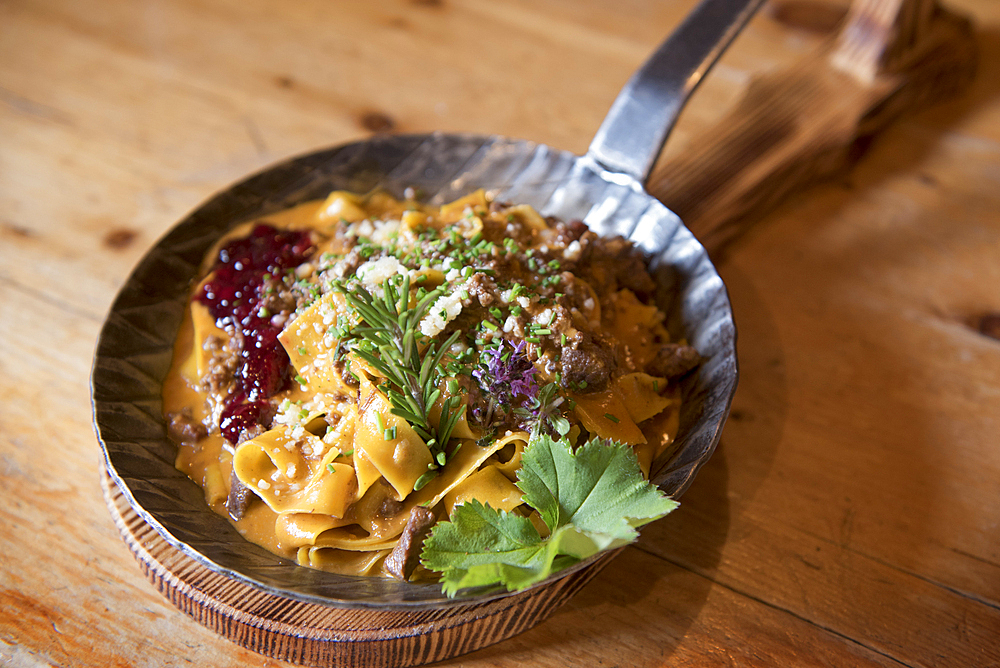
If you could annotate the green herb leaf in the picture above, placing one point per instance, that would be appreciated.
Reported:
(599, 488)
(482, 546)
(591, 500)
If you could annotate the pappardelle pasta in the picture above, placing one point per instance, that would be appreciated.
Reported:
(351, 371)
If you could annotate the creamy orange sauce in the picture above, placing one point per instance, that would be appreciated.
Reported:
(632, 408)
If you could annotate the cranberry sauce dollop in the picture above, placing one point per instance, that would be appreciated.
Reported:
(234, 296)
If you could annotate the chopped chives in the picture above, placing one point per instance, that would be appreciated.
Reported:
(423, 480)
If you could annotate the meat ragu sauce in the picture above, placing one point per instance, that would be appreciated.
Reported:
(290, 399)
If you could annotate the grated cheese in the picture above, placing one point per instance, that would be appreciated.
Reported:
(443, 311)
(374, 272)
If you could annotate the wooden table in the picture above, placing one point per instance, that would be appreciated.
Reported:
(851, 516)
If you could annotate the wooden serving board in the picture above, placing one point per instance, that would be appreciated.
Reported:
(314, 634)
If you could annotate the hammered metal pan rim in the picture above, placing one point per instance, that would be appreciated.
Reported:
(300, 175)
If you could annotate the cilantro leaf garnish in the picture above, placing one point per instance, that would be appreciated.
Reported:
(599, 488)
(590, 500)
(482, 546)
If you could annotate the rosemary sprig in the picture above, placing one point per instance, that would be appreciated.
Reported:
(390, 341)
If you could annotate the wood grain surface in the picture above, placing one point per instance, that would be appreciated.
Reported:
(851, 516)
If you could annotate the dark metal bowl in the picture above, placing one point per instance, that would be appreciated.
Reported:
(136, 343)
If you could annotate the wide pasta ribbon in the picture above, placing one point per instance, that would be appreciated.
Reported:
(272, 465)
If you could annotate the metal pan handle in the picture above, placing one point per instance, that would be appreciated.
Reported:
(636, 127)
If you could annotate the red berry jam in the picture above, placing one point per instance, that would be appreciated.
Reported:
(233, 296)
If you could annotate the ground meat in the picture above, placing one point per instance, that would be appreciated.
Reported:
(342, 368)
(615, 264)
(578, 298)
(482, 288)
(554, 316)
(183, 428)
(466, 321)
(348, 266)
(512, 228)
(633, 275)
(404, 558)
(276, 297)
(673, 360)
(506, 268)
(224, 361)
(239, 498)
(586, 362)
(569, 231)
(253, 431)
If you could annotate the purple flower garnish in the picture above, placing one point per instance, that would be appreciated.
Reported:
(507, 378)
(508, 375)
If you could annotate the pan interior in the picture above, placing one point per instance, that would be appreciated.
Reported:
(135, 346)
